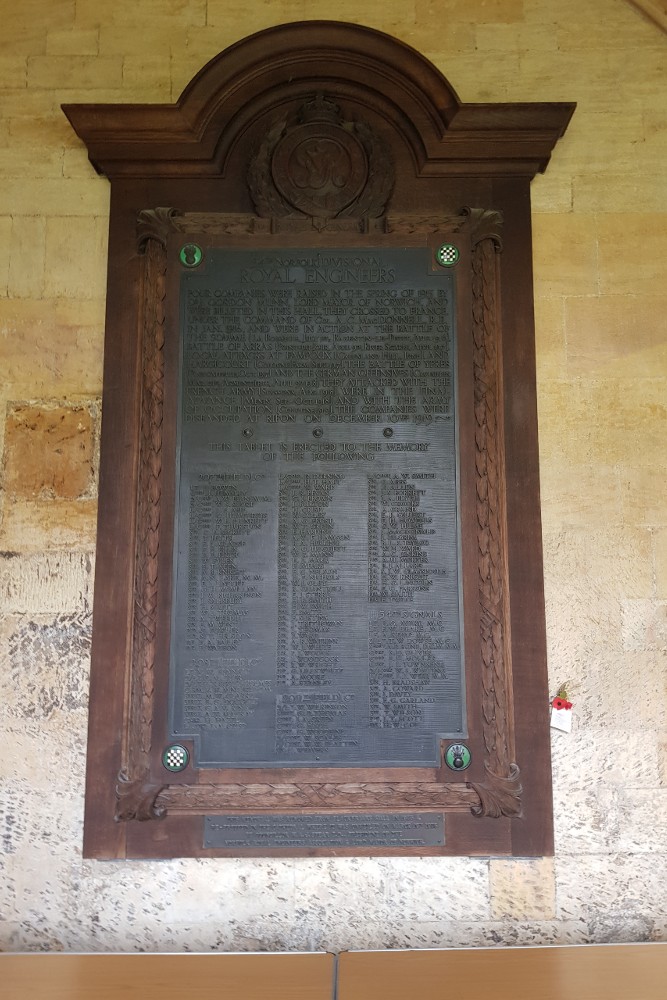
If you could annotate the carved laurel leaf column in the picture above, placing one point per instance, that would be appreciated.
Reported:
(500, 793)
(406, 155)
(136, 792)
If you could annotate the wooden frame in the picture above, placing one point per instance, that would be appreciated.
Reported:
(206, 159)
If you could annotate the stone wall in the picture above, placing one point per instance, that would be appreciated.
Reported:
(600, 247)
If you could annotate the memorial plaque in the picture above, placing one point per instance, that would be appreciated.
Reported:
(317, 609)
(319, 463)
(333, 830)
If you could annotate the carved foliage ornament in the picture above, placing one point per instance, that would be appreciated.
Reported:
(319, 165)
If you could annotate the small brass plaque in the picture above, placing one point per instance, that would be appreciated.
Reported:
(335, 830)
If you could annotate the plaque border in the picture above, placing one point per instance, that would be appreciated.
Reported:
(139, 797)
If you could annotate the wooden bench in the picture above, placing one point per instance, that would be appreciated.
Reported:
(166, 977)
(600, 972)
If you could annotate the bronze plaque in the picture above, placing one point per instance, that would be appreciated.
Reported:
(317, 604)
(311, 830)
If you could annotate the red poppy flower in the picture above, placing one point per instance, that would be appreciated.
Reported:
(559, 703)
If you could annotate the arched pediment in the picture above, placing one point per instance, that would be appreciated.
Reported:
(276, 70)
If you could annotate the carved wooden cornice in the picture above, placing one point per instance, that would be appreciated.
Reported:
(275, 68)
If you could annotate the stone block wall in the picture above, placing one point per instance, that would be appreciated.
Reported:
(600, 248)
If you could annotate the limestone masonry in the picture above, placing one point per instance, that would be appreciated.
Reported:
(600, 247)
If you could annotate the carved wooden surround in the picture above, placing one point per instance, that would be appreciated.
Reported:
(320, 134)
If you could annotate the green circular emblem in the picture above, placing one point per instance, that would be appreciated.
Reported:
(458, 757)
(447, 255)
(191, 255)
(175, 757)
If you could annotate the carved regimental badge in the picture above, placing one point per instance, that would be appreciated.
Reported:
(319, 165)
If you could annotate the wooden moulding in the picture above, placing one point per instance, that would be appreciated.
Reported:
(196, 136)
(209, 159)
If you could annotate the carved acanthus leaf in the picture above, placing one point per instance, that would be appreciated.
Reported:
(485, 224)
(499, 795)
(136, 799)
(155, 224)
